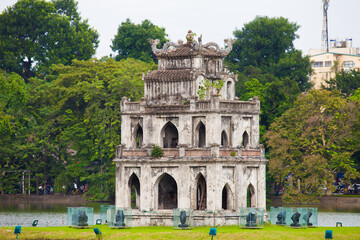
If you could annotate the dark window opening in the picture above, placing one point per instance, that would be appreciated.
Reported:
(170, 136)
(167, 195)
(224, 198)
(245, 142)
(202, 135)
(201, 193)
(224, 139)
(139, 137)
(134, 185)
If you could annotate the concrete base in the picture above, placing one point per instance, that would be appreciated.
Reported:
(201, 218)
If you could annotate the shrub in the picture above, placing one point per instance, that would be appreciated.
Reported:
(157, 151)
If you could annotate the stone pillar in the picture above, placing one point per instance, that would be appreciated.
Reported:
(213, 129)
(214, 101)
(214, 187)
(261, 186)
(183, 185)
(145, 188)
(240, 186)
(185, 134)
(126, 137)
(117, 185)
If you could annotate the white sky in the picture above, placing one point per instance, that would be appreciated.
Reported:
(216, 20)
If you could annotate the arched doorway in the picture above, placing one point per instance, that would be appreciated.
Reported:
(201, 133)
(201, 193)
(170, 136)
(139, 136)
(167, 192)
(245, 140)
(224, 139)
(134, 185)
(251, 197)
(227, 198)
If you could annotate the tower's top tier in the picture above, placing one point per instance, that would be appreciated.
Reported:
(183, 68)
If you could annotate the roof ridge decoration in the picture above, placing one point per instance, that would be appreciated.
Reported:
(193, 44)
(165, 47)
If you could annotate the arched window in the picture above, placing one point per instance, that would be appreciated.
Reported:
(139, 136)
(201, 133)
(227, 198)
(228, 90)
(167, 192)
(245, 140)
(224, 139)
(201, 193)
(170, 136)
(224, 198)
(251, 197)
(134, 185)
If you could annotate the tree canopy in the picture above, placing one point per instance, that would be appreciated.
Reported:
(267, 65)
(262, 42)
(347, 82)
(131, 40)
(35, 34)
(312, 141)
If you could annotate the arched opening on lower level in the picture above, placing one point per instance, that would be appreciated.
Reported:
(227, 198)
(201, 193)
(134, 185)
(167, 192)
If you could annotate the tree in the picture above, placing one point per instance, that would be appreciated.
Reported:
(35, 34)
(13, 99)
(85, 97)
(264, 51)
(131, 40)
(261, 42)
(347, 82)
(312, 141)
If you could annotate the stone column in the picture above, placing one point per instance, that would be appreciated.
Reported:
(261, 186)
(117, 185)
(145, 188)
(183, 186)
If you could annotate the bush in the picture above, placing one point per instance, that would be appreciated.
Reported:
(157, 151)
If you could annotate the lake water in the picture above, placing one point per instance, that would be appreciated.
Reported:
(13, 214)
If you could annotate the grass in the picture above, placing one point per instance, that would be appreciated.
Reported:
(226, 232)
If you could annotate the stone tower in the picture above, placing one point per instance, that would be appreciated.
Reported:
(211, 159)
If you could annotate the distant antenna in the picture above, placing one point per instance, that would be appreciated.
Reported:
(325, 32)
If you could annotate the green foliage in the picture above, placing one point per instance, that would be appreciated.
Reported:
(35, 34)
(85, 98)
(268, 66)
(67, 127)
(233, 154)
(156, 151)
(208, 86)
(347, 82)
(262, 42)
(312, 141)
(131, 40)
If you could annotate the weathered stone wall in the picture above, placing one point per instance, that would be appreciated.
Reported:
(212, 154)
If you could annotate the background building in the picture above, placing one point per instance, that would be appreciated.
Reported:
(341, 56)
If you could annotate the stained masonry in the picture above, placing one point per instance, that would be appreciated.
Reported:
(212, 157)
